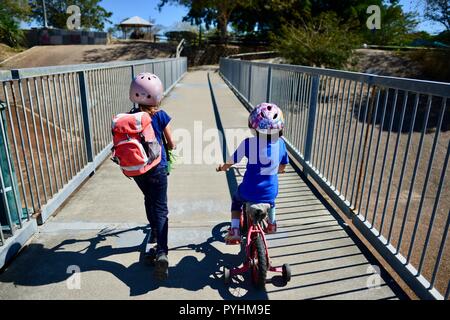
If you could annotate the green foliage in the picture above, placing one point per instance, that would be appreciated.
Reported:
(210, 12)
(396, 27)
(322, 41)
(177, 36)
(92, 14)
(438, 11)
(11, 12)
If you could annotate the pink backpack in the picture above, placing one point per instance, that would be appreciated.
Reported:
(136, 149)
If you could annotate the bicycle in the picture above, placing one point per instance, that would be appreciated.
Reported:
(257, 258)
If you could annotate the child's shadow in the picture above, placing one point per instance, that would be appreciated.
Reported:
(38, 266)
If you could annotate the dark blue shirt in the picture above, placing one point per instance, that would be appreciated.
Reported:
(160, 120)
(260, 183)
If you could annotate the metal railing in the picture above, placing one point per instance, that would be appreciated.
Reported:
(55, 130)
(378, 146)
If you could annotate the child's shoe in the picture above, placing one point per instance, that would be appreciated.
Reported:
(161, 267)
(233, 236)
(271, 228)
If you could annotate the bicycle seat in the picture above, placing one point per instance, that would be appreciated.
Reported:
(257, 211)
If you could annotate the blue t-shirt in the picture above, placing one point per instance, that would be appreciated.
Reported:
(260, 183)
(160, 120)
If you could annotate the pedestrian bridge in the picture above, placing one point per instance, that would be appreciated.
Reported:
(344, 203)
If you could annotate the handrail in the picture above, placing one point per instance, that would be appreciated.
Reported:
(376, 146)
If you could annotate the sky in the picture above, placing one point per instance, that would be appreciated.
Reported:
(171, 14)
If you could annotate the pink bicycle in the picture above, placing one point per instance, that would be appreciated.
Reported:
(253, 221)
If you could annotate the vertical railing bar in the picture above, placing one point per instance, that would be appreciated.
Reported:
(340, 104)
(94, 111)
(23, 148)
(305, 112)
(298, 128)
(33, 167)
(441, 250)
(58, 114)
(63, 107)
(79, 111)
(92, 128)
(355, 133)
(353, 197)
(71, 118)
(366, 165)
(6, 203)
(269, 84)
(293, 105)
(328, 127)
(37, 146)
(341, 187)
(332, 131)
(9, 221)
(369, 194)
(413, 178)
(102, 109)
(342, 139)
(424, 189)
(317, 125)
(76, 120)
(8, 154)
(383, 166)
(301, 108)
(324, 123)
(406, 159)
(54, 130)
(311, 116)
(108, 107)
(86, 114)
(49, 134)
(36, 89)
(435, 207)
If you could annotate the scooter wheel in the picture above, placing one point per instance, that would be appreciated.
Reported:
(286, 272)
(226, 275)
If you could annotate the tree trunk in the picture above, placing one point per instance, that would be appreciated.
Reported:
(222, 24)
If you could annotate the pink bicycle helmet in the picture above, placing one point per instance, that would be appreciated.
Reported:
(146, 89)
(266, 118)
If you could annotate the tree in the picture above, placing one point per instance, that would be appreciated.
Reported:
(322, 41)
(396, 26)
(11, 13)
(209, 12)
(93, 16)
(439, 11)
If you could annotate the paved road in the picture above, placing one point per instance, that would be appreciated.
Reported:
(101, 229)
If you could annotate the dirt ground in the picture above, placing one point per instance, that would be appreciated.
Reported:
(77, 54)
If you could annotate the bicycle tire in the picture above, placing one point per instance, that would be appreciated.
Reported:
(259, 267)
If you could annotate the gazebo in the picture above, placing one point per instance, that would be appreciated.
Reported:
(136, 24)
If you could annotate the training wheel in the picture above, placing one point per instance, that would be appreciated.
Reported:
(286, 272)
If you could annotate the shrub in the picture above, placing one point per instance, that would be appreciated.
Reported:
(10, 32)
(322, 41)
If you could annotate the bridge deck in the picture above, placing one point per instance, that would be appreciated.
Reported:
(101, 229)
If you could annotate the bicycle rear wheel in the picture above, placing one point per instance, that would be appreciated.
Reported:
(259, 262)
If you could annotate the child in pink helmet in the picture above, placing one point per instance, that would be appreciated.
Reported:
(267, 156)
(146, 90)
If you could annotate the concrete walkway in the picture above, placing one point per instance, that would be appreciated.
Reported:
(101, 230)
